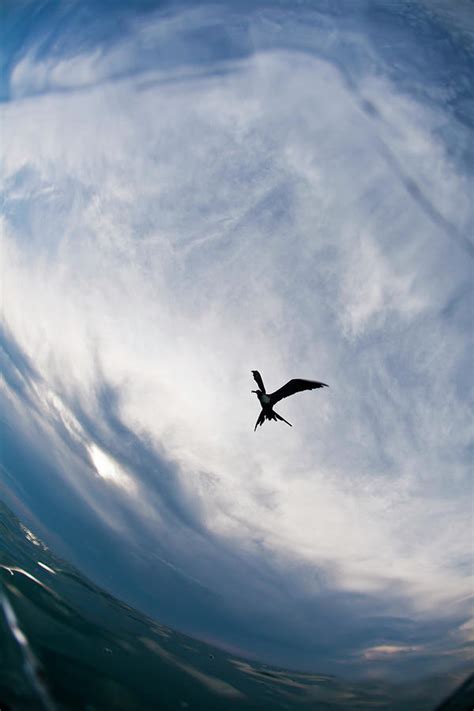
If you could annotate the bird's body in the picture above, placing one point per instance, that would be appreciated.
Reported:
(268, 401)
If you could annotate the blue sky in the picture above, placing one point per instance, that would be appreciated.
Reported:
(192, 191)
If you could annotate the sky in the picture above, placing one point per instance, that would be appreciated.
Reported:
(193, 191)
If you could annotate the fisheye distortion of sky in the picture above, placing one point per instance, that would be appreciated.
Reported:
(193, 191)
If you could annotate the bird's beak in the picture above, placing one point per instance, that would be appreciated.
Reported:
(254, 391)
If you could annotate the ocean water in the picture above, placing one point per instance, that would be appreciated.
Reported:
(66, 644)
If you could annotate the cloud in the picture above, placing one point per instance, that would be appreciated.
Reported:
(286, 210)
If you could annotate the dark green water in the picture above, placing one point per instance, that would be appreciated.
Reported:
(66, 644)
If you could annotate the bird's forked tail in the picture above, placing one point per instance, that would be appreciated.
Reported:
(272, 415)
(279, 417)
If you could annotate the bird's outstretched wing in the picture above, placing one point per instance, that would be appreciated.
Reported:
(258, 380)
(294, 386)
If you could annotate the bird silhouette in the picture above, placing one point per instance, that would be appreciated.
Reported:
(268, 401)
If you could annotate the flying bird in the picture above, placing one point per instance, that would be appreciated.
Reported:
(268, 401)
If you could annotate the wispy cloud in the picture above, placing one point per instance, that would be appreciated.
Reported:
(287, 210)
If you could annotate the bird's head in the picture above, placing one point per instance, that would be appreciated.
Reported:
(258, 393)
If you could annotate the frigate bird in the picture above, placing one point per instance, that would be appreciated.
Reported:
(268, 401)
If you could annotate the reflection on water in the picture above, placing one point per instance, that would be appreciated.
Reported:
(66, 644)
